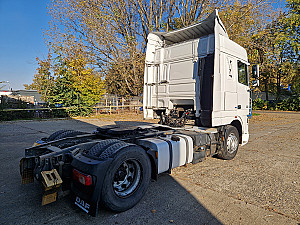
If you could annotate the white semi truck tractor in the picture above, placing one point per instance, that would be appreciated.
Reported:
(197, 83)
(198, 72)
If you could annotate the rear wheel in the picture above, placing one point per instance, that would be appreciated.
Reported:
(127, 179)
(231, 143)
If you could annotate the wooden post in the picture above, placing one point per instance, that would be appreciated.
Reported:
(109, 107)
(117, 103)
(106, 105)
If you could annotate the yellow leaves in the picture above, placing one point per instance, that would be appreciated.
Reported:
(243, 20)
(86, 80)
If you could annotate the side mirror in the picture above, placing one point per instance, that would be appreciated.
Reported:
(255, 75)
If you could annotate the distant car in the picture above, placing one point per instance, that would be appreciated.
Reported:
(59, 105)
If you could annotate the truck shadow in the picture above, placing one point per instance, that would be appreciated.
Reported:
(167, 201)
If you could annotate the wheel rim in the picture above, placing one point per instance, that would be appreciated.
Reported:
(127, 178)
(232, 143)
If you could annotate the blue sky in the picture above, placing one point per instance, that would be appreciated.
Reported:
(21, 39)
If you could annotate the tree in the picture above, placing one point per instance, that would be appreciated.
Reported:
(270, 37)
(113, 34)
(279, 51)
(43, 80)
(76, 85)
(290, 44)
(130, 72)
(68, 81)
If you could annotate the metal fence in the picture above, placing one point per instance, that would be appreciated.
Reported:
(108, 104)
(114, 104)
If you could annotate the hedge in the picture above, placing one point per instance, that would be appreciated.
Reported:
(292, 103)
(17, 114)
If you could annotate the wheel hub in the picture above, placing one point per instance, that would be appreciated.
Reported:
(232, 143)
(127, 178)
(120, 175)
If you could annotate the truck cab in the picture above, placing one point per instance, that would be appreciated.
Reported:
(198, 70)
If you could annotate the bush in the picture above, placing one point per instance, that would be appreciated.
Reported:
(292, 103)
(13, 114)
(79, 111)
(18, 114)
(258, 104)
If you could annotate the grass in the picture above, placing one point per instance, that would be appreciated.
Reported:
(255, 114)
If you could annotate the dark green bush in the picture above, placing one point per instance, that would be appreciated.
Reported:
(79, 111)
(19, 114)
(292, 103)
(259, 104)
(7, 115)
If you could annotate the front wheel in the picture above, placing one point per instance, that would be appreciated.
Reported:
(231, 143)
(127, 179)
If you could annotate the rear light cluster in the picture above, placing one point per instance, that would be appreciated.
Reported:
(82, 178)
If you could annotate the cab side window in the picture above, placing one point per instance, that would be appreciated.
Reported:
(243, 73)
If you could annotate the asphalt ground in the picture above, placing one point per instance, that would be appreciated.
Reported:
(261, 185)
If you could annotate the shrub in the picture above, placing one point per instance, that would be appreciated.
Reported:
(12, 114)
(292, 103)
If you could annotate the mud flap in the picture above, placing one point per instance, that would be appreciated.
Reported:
(26, 170)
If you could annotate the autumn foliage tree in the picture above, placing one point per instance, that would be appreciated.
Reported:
(271, 39)
(279, 54)
(114, 33)
(289, 43)
(77, 86)
(43, 81)
(107, 39)
(69, 82)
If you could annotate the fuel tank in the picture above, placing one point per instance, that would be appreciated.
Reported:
(173, 150)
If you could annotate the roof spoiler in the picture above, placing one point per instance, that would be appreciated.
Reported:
(211, 25)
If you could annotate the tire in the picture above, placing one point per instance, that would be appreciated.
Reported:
(112, 150)
(231, 144)
(68, 133)
(67, 143)
(97, 149)
(55, 134)
(127, 179)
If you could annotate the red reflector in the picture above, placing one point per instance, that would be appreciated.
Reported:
(82, 178)
(235, 117)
